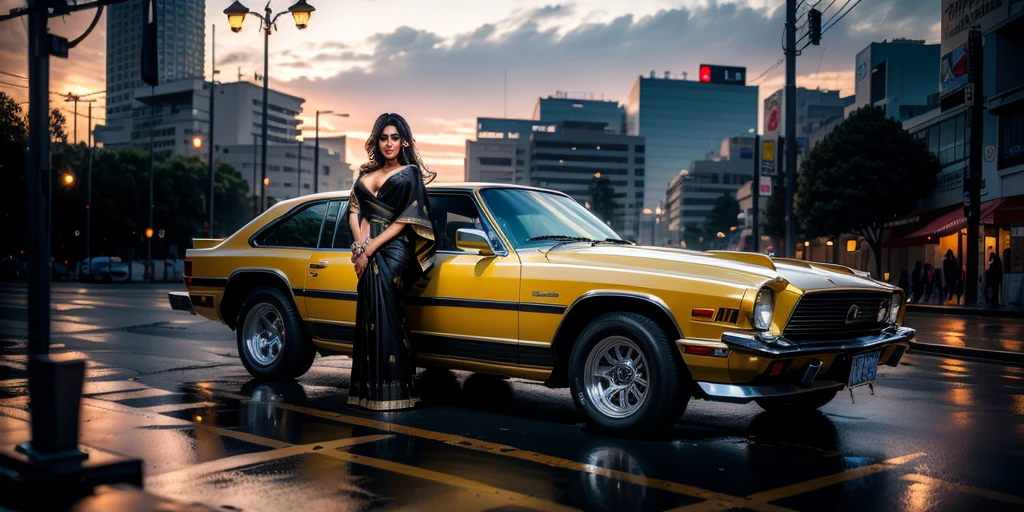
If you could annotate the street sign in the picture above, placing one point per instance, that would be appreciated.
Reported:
(768, 158)
(58, 46)
(990, 154)
(766, 186)
(967, 204)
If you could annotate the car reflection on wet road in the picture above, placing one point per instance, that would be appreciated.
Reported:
(938, 434)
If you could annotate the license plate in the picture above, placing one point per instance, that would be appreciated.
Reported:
(863, 369)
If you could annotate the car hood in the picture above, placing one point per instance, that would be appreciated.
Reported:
(750, 269)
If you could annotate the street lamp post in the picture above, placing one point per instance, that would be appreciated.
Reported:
(236, 12)
(316, 148)
(298, 172)
(213, 87)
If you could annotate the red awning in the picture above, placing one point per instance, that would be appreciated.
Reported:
(1010, 211)
(950, 222)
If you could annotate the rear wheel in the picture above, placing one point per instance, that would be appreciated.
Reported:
(804, 402)
(624, 376)
(271, 340)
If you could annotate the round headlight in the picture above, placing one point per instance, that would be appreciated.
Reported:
(764, 306)
(894, 306)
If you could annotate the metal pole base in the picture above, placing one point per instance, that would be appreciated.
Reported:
(37, 457)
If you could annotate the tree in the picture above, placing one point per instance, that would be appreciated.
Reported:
(13, 143)
(866, 172)
(602, 198)
(722, 219)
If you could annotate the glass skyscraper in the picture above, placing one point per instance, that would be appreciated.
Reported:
(181, 47)
(682, 121)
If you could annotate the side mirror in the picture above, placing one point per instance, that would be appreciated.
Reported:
(473, 240)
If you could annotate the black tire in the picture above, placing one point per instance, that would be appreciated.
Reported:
(804, 402)
(666, 396)
(295, 353)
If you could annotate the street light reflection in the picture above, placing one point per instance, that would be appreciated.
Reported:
(960, 396)
(920, 497)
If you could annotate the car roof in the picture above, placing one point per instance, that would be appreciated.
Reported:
(444, 185)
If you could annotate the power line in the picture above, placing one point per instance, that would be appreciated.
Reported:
(838, 17)
(13, 85)
(768, 71)
(15, 75)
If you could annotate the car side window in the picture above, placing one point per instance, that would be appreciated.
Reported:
(452, 212)
(342, 232)
(300, 229)
(330, 223)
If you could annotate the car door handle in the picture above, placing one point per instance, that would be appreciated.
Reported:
(319, 264)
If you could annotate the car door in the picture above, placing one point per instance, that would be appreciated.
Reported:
(330, 282)
(468, 306)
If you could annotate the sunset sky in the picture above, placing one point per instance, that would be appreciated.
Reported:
(441, 63)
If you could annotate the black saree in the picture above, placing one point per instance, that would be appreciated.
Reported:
(382, 366)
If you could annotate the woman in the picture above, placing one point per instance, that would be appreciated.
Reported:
(390, 221)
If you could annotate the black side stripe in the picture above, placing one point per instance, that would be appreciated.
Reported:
(526, 307)
(218, 282)
(324, 294)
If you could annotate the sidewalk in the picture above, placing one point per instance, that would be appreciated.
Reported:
(1005, 311)
(968, 332)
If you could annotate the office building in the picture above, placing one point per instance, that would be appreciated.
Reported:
(492, 161)
(569, 160)
(239, 111)
(282, 162)
(181, 25)
(565, 107)
(899, 75)
(693, 192)
(493, 132)
(682, 120)
(178, 112)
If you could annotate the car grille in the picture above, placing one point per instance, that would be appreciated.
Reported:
(830, 315)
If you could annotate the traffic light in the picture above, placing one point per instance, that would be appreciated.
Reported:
(149, 232)
(814, 26)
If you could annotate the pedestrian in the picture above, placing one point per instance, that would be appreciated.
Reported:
(949, 274)
(960, 283)
(917, 282)
(904, 282)
(929, 282)
(389, 216)
(993, 280)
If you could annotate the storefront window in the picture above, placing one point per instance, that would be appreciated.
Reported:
(1011, 138)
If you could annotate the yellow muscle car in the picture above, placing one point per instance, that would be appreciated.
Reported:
(527, 283)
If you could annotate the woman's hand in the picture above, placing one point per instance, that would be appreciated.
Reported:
(360, 262)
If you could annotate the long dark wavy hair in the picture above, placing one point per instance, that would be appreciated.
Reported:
(406, 156)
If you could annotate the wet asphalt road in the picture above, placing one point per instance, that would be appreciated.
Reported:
(938, 434)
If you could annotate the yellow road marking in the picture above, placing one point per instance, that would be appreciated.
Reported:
(966, 489)
(513, 498)
(516, 453)
(177, 407)
(244, 436)
(249, 459)
(825, 481)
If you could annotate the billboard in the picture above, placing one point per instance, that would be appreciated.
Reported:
(959, 15)
(733, 75)
(953, 70)
(773, 115)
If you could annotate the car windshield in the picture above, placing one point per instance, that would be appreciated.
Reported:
(532, 218)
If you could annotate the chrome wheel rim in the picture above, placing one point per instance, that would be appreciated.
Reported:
(617, 377)
(263, 333)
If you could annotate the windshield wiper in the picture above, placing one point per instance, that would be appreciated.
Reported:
(615, 241)
(560, 238)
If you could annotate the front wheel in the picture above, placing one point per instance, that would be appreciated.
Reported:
(625, 377)
(804, 402)
(271, 341)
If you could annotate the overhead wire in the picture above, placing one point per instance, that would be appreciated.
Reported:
(15, 75)
(838, 17)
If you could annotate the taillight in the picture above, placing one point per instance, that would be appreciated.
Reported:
(777, 367)
(188, 274)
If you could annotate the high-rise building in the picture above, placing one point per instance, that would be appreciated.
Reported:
(181, 54)
(682, 120)
(289, 174)
(899, 76)
(562, 107)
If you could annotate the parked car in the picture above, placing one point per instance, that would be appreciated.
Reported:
(105, 269)
(528, 283)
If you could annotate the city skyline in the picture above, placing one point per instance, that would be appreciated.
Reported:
(442, 67)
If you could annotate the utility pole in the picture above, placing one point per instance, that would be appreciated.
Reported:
(266, 120)
(790, 129)
(755, 194)
(972, 185)
(255, 205)
(88, 202)
(149, 239)
(213, 86)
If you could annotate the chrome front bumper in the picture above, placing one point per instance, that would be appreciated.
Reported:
(743, 394)
(768, 345)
